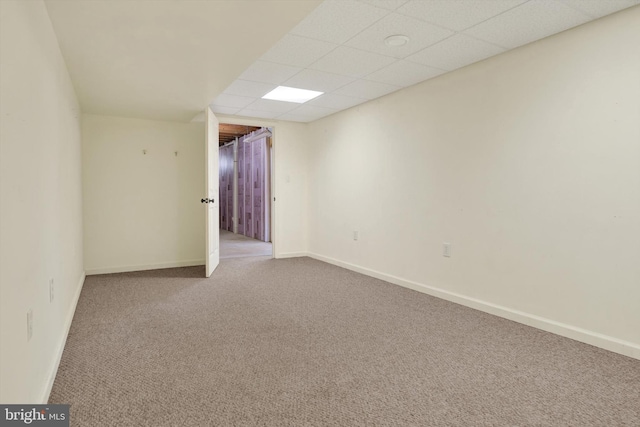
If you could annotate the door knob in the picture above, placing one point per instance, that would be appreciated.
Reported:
(206, 200)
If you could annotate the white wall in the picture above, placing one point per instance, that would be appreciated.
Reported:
(142, 211)
(40, 201)
(528, 163)
(291, 181)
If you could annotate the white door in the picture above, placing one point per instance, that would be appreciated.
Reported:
(212, 185)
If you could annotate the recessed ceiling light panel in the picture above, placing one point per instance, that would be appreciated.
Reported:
(292, 94)
(396, 40)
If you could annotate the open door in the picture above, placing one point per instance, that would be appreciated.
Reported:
(211, 186)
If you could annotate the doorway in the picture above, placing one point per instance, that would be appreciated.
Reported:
(245, 173)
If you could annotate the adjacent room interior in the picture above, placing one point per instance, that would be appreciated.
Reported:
(245, 190)
(441, 200)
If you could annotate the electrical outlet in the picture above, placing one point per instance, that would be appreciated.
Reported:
(29, 324)
(446, 249)
(51, 290)
(355, 235)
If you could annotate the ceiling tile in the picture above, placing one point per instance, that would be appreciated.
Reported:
(529, 22)
(235, 101)
(456, 14)
(270, 105)
(258, 114)
(404, 73)
(385, 4)
(268, 72)
(313, 111)
(318, 80)
(298, 51)
(366, 89)
(599, 8)
(351, 62)
(248, 88)
(223, 110)
(292, 117)
(420, 35)
(455, 52)
(336, 21)
(339, 48)
(339, 102)
(306, 115)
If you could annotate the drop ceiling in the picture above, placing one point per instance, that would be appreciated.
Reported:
(162, 59)
(339, 48)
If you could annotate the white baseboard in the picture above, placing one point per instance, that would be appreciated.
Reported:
(58, 356)
(291, 255)
(222, 258)
(127, 268)
(606, 342)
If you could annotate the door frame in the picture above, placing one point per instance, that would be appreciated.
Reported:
(212, 186)
(272, 174)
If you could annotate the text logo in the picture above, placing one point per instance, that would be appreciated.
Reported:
(34, 415)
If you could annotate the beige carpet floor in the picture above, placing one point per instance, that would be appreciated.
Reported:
(236, 245)
(298, 342)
